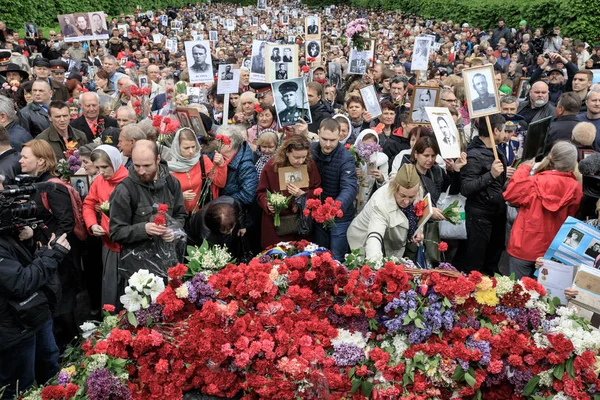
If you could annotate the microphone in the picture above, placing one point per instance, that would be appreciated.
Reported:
(28, 189)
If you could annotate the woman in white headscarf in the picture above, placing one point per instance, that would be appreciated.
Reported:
(192, 169)
(345, 127)
(107, 159)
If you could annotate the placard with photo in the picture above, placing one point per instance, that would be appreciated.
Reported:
(257, 67)
(313, 49)
(420, 56)
(312, 27)
(124, 28)
(30, 31)
(212, 36)
(481, 91)
(282, 62)
(83, 26)
(334, 72)
(261, 4)
(239, 12)
(296, 176)
(199, 61)
(171, 45)
(423, 96)
(230, 24)
(285, 19)
(359, 62)
(194, 95)
(81, 184)
(291, 102)
(369, 97)
(445, 131)
(229, 79)
(176, 25)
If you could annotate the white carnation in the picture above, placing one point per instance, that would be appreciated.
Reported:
(87, 329)
(546, 378)
(504, 285)
(181, 292)
(346, 337)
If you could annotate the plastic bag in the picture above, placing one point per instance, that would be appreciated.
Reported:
(156, 255)
(447, 230)
(305, 224)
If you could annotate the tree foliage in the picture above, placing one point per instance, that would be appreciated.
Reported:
(577, 18)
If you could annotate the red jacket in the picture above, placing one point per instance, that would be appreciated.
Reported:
(269, 180)
(545, 200)
(192, 180)
(100, 192)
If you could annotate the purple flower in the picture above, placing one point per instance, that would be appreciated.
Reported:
(364, 151)
(102, 385)
(204, 292)
(347, 355)
(483, 346)
(63, 378)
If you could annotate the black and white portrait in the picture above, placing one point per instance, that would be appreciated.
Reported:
(81, 184)
(281, 72)
(371, 102)
(313, 48)
(593, 249)
(445, 131)
(226, 75)
(313, 30)
(293, 176)
(193, 94)
(573, 238)
(229, 79)
(523, 90)
(420, 58)
(276, 54)
(423, 96)
(212, 35)
(291, 101)
(358, 62)
(30, 31)
(98, 21)
(143, 81)
(285, 19)
(481, 91)
(287, 55)
(335, 74)
(199, 61)
(261, 4)
(258, 60)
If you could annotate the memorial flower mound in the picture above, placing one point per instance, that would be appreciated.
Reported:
(294, 323)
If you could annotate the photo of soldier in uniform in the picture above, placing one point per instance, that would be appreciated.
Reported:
(281, 72)
(199, 61)
(358, 62)
(291, 102)
(481, 91)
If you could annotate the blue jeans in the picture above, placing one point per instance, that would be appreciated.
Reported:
(334, 239)
(34, 359)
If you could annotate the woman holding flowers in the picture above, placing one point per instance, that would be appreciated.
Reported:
(388, 221)
(294, 152)
(545, 199)
(193, 169)
(107, 159)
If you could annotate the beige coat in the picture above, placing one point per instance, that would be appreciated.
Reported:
(380, 215)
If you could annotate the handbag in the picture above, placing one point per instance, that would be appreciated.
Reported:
(447, 230)
(288, 225)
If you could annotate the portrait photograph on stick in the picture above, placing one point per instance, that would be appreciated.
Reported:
(291, 101)
(420, 58)
(423, 96)
(199, 61)
(445, 131)
(369, 97)
(229, 79)
(481, 91)
(313, 28)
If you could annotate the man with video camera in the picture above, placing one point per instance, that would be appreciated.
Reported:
(29, 292)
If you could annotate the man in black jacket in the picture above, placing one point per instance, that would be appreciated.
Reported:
(500, 32)
(318, 110)
(28, 289)
(483, 181)
(566, 119)
(41, 70)
(91, 122)
(9, 158)
(9, 120)
(34, 116)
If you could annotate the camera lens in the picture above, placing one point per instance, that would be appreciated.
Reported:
(24, 210)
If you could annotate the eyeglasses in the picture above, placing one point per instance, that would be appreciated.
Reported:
(450, 100)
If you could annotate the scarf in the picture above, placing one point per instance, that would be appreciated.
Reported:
(178, 163)
(413, 220)
(113, 153)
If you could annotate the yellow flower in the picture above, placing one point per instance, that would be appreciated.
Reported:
(71, 145)
(485, 284)
(273, 275)
(487, 297)
(108, 140)
(597, 365)
(69, 370)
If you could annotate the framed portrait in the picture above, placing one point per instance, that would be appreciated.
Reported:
(523, 89)
(281, 62)
(228, 79)
(83, 26)
(199, 63)
(30, 31)
(358, 62)
(313, 49)
(296, 176)
(143, 81)
(423, 96)
(420, 56)
(312, 25)
(445, 131)
(81, 184)
(194, 95)
(189, 117)
(291, 101)
(371, 101)
(212, 35)
(481, 90)
(261, 4)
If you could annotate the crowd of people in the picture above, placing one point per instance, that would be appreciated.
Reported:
(213, 181)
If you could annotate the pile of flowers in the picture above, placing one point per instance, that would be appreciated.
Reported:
(295, 323)
(71, 163)
(356, 31)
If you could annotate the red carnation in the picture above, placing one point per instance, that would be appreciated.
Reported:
(443, 246)
(257, 108)
(160, 220)
(177, 271)
(108, 308)
(163, 208)
(318, 191)
(306, 69)
(419, 207)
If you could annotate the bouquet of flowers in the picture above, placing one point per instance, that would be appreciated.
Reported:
(324, 213)
(364, 151)
(279, 203)
(161, 218)
(352, 149)
(355, 31)
(222, 140)
(142, 291)
(166, 127)
(105, 208)
(207, 259)
(71, 163)
(452, 213)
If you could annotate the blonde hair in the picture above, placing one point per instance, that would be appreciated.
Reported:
(267, 137)
(244, 97)
(42, 149)
(584, 133)
(562, 157)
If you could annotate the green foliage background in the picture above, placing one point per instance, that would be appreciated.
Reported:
(577, 18)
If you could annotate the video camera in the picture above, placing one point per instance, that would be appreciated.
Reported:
(17, 210)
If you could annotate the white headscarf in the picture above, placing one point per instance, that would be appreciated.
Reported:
(113, 153)
(179, 163)
(343, 141)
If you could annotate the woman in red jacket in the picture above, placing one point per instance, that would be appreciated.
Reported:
(192, 168)
(107, 159)
(295, 152)
(545, 199)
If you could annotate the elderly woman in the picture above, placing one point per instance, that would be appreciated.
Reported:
(388, 221)
(265, 119)
(245, 110)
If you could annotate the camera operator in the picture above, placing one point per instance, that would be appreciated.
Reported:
(29, 290)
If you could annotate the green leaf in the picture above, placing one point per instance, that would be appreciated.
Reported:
(531, 385)
(367, 388)
(556, 301)
(418, 357)
(355, 385)
(559, 371)
(407, 320)
(569, 366)
(479, 394)
(412, 314)
(447, 303)
(418, 323)
(470, 379)
(459, 373)
(351, 372)
(131, 319)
